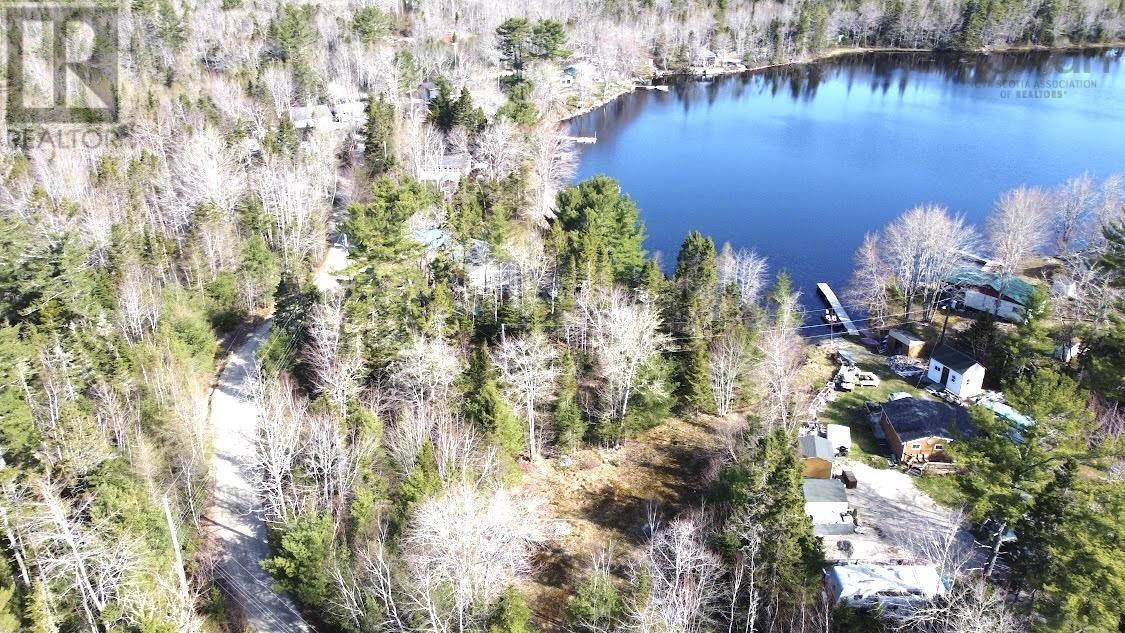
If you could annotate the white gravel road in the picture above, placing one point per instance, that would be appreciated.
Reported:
(233, 517)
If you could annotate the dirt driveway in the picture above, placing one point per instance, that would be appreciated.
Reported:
(897, 515)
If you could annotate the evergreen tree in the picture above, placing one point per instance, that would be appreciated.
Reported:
(548, 40)
(1006, 467)
(764, 484)
(1041, 528)
(513, 39)
(569, 426)
(512, 615)
(371, 23)
(485, 405)
(1030, 346)
(378, 136)
(692, 317)
(601, 221)
(443, 108)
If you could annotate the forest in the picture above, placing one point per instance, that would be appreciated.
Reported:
(487, 324)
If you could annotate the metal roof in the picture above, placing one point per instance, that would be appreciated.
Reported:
(1016, 289)
(816, 446)
(824, 491)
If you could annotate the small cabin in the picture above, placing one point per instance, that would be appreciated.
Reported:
(919, 431)
(959, 373)
(817, 456)
(901, 342)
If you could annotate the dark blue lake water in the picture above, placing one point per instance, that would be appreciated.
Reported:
(798, 163)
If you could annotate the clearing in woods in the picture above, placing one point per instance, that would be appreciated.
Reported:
(602, 501)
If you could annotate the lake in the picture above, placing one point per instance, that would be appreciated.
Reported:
(799, 162)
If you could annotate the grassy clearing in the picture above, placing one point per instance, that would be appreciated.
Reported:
(602, 502)
(847, 409)
(944, 489)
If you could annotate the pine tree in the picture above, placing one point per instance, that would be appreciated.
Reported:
(486, 406)
(602, 222)
(378, 136)
(1041, 528)
(691, 319)
(569, 426)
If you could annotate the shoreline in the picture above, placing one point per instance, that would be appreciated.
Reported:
(622, 89)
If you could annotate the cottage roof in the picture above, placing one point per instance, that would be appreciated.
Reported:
(816, 446)
(914, 418)
(956, 360)
(1015, 289)
(824, 491)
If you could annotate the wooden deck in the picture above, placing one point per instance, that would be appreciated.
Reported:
(838, 308)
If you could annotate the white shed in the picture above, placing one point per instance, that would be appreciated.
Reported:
(826, 501)
(839, 435)
(958, 372)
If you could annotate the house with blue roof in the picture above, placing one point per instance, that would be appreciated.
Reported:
(1006, 296)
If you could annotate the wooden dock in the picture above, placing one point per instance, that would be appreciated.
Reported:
(582, 140)
(838, 308)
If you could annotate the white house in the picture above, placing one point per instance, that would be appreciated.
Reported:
(959, 373)
(307, 117)
(350, 111)
(448, 170)
(826, 501)
(1006, 296)
(890, 587)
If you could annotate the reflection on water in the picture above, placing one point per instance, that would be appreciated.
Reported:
(799, 162)
(880, 72)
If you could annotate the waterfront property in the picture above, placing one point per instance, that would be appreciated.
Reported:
(1006, 296)
(783, 131)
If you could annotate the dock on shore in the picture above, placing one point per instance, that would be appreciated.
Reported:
(582, 140)
(838, 308)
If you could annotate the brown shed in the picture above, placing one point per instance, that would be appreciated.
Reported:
(817, 456)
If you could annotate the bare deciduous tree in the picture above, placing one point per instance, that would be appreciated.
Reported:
(1017, 229)
(334, 357)
(277, 445)
(527, 373)
(728, 365)
(870, 284)
(553, 163)
(685, 580)
(1075, 204)
(500, 149)
(972, 606)
(469, 545)
(623, 335)
(745, 269)
(782, 354)
(922, 248)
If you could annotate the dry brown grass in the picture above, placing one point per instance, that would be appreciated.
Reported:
(601, 501)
